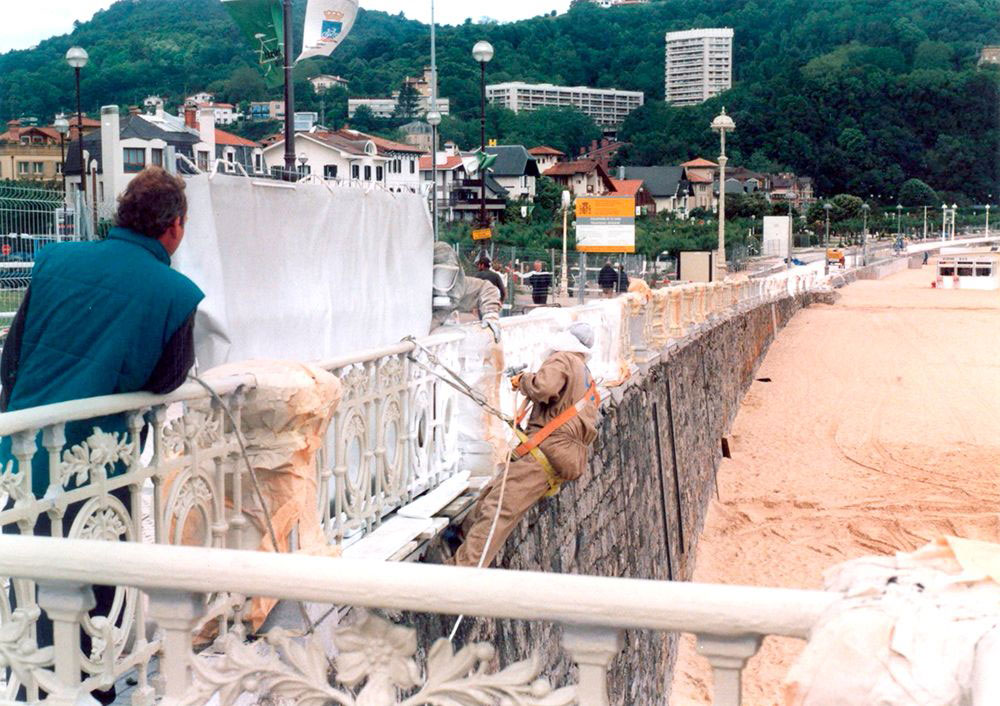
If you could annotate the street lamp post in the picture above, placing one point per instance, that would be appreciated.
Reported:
(434, 119)
(954, 220)
(723, 124)
(564, 279)
(482, 52)
(899, 221)
(944, 221)
(303, 160)
(77, 58)
(925, 223)
(62, 127)
(987, 220)
(826, 207)
(289, 91)
(864, 234)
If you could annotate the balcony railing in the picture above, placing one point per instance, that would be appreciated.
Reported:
(175, 473)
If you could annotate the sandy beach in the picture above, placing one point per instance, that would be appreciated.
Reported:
(878, 431)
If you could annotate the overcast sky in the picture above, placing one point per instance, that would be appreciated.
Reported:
(27, 23)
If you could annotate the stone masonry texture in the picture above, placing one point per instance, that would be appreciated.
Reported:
(639, 509)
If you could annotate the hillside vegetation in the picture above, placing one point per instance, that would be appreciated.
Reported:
(861, 94)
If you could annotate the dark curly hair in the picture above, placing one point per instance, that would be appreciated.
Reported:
(152, 201)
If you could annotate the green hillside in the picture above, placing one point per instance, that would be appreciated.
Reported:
(862, 94)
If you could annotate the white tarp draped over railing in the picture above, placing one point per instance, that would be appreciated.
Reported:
(304, 271)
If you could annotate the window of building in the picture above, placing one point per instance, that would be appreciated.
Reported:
(330, 171)
(203, 160)
(135, 159)
(256, 162)
(355, 171)
(305, 169)
(368, 173)
(156, 157)
(379, 174)
(230, 157)
(413, 166)
(59, 168)
(23, 168)
(38, 168)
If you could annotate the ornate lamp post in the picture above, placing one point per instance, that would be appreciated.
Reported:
(899, 221)
(77, 58)
(434, 119)
(864, 233)
(826, 207)
(303, 160)
(62, 127)
(723, 124)
(944, 221)
(954, 220)
(482, 52)
(987, 220)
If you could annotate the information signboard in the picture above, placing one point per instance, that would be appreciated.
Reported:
(605, 224)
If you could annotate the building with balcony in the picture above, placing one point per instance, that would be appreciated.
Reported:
(515, 170)
(607, 106)
(583, 177)
(699, 65)
(385, 108)
(267, 110)
(29, 153)
(324, 82)
(458, 190)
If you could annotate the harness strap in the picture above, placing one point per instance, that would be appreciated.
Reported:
(555, 482)
(545, 432)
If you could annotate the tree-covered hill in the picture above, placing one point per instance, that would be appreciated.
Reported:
(862, 94)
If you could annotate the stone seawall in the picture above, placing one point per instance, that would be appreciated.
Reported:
(639, 509)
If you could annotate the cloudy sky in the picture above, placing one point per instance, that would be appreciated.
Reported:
(27, 23)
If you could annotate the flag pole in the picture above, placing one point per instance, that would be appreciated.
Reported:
(289, 93)
(434, 127)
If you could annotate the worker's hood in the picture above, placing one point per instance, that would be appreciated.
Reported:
(449, 279)
(565, 342)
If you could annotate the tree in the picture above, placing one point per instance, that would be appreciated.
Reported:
(364, 119)
(408, 103)
(845, 207)
(916, 193)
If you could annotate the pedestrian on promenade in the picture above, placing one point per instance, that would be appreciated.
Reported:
(622, 279)
(541, 283)
(607, 278)
(486, 272)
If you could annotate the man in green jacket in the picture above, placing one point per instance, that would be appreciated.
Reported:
(102, 318)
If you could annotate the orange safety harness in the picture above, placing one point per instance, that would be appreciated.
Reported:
(530, 445)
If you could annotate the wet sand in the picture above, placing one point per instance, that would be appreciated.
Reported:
(879, 431)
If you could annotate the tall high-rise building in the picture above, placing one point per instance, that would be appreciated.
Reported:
(699, 65)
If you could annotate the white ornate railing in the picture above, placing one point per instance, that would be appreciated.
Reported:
(375, 661)
(393, 436)
(390, 439)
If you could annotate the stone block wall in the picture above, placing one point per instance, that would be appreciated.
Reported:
(640, 508)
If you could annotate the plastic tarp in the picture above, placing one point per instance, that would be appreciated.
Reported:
(917, 629)
(304, 271)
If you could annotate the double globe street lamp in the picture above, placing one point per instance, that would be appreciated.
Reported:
(77, 58)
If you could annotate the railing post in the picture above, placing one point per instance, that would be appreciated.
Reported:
(176, 614)
(66, 604)
(592, 648)
(676, 318)
(728, 656)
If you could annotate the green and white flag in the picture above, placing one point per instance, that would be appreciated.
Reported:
(327, 23)
(261, 23)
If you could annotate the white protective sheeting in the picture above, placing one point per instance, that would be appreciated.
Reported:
(304, 271)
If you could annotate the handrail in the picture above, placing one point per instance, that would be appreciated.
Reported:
(715, 609)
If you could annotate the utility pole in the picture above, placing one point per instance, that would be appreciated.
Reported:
(289, 93)
(925, 223)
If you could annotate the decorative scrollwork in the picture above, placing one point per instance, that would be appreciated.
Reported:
(375, 667)
(18, 651)
(97, 455)
(190, 492)
(391, 373)
(356, 382)
(12, 484)
(199, 425)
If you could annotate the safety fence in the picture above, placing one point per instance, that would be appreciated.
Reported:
(174, 473)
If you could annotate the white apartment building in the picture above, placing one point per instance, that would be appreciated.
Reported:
(617, 3)
(386, 107)
(607, 106)
(699, 65)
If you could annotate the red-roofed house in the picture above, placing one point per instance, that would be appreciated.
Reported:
(582, 177)
(234, 149)
(644, 201)
(402, 168)
(702, 175)
(602, 152)
(546, 157)
(29, 153)
(458, 189)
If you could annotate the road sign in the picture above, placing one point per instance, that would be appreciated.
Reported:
(482, 234)
(605, 224)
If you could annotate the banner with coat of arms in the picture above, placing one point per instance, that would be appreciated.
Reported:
(327, 23)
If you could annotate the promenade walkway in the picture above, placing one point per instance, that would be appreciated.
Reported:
(878, 431)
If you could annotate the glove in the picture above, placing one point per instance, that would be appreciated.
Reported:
(494, 327)
(515, 382)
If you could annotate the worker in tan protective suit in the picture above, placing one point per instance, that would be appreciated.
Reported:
(453, 291)
(563, 383)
